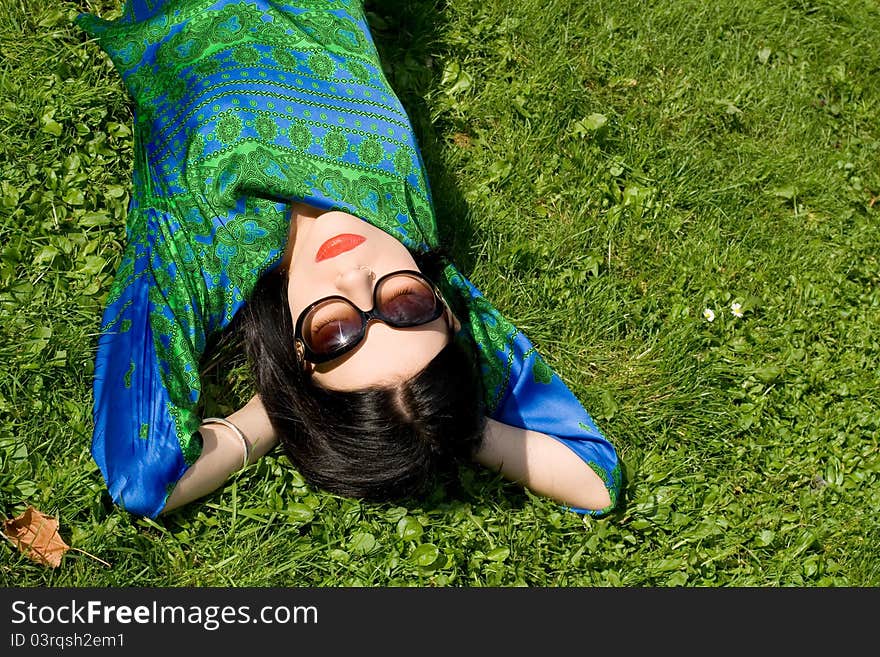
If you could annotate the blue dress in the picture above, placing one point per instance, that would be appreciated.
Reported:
(240, 107)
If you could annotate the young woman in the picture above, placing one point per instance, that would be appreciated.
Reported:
(278, 186)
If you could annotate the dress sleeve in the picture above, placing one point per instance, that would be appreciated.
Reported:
(144, 434)
(523, 391)
(536, 398)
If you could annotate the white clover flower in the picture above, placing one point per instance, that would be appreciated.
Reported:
(709, 314)
(736, 309)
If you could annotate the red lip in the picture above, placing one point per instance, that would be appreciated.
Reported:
(338, 244)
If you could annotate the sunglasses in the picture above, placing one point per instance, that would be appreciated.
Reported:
(332, 326)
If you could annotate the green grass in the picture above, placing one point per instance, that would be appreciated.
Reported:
(605, 171)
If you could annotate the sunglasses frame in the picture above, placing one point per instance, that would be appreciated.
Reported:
(305, 352)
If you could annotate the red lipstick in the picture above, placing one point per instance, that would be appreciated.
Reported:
(338, 244)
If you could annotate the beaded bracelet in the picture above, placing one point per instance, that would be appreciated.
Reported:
(246, 446)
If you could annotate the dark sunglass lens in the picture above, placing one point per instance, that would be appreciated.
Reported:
(405, 300)
(331, 326)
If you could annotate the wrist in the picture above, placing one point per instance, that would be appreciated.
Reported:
(254, 422)
(232, 433)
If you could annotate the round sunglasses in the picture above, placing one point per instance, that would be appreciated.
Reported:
(333, 325)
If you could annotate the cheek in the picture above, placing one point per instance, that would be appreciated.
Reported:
(397, 257)
(295, 300)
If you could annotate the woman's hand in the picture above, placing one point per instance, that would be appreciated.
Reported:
(543, 464)
(222, 453)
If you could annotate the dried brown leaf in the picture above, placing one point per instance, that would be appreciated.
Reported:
(36, 535)
(462, 140)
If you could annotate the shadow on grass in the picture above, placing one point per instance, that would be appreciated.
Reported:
(406, 36)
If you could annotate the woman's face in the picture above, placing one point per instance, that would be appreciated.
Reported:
(322, 266)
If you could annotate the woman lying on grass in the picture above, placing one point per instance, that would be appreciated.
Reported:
(278, 189)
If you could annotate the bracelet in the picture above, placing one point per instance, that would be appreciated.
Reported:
(245, 445)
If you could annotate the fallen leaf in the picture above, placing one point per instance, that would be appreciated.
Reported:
(461, 140)
(36, 535)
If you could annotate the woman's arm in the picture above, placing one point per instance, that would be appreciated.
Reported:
(222, 453)
(542, 464)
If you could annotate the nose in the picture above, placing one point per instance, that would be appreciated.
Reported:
(356, 283)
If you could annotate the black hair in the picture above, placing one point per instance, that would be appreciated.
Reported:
(380, 443)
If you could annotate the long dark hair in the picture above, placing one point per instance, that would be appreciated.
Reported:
(380, 443)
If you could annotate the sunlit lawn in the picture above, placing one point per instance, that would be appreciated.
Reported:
(608, 174)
